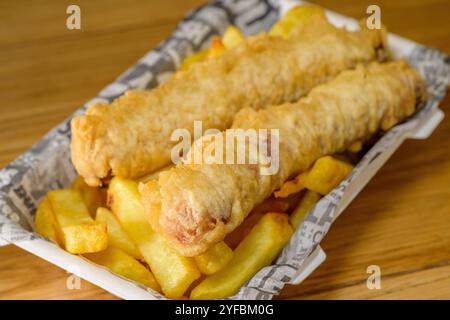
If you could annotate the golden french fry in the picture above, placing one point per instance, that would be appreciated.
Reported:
(281, 29)
(69, 207)
(295, 16)
(291, 186)
(326, 173)
(308, 201)
(215, 259)
(172, 271)
(194, 58)
(304, 12)
(93, 197)
(257, 250)
(216, 48)
(234, 238)
(85, 238)
(116, 235)
(355, 147)
(232, 37)
(153, 176)
(124, 265)
(45, 221)
(269, 205)
(76, 228)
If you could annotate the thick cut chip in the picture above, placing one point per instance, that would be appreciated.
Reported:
(217, 47)
(173, 272)
(85, 238)
(153, 176)
(78, 231)
(297, 15)
(116, 235)
(124, 265)
(308, 201)
(93, 197)
(269, 205)
(45, 221)
(257, 250)
(292, 186)
(194, 58)
(215, 259)
(326, 173)
(355, 147)
(232, 37)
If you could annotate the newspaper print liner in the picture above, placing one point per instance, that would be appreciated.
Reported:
(47, 164)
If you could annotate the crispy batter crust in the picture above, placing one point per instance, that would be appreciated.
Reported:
(195, 206)
(131, 136)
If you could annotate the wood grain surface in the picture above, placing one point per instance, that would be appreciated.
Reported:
(400, 221)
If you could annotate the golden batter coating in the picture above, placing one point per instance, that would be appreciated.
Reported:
(197, 205)
(131, 136)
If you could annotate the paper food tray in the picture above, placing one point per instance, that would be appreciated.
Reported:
(47, 165)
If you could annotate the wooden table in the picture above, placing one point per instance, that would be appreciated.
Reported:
(400, 221)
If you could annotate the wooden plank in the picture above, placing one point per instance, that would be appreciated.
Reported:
(25, 276)
(400, 221)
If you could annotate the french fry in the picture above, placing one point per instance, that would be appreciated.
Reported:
(295, 16)
(153, 176)
(355, 147)
(304, 12)
(45, 221)
(232, 37)
(291, 186)
(215, 259)
(78, 231)
(85, 238)
(216, 48)
(308, 201)
(124, 265)
(257, 250)
(116, 235)
(194, 58)
(281, 29)
(69, 207)
(92, 197)
(173, 272)
(269, 205)
(326, 173)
